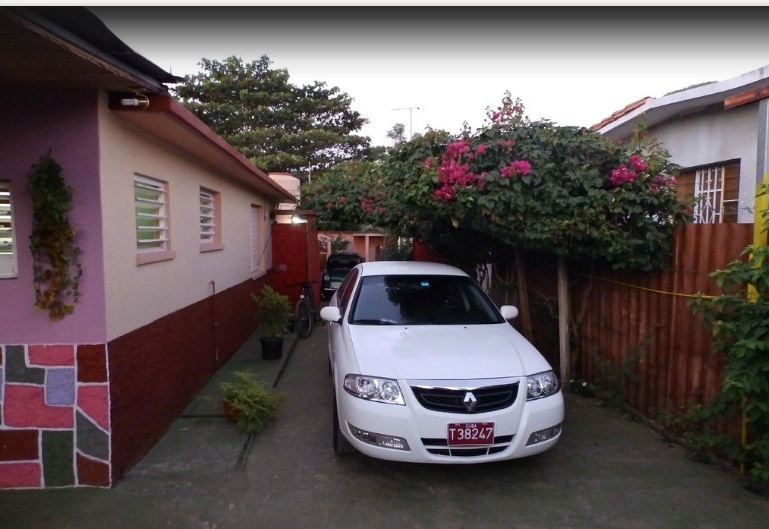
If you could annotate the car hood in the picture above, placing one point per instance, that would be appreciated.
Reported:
(444, 352)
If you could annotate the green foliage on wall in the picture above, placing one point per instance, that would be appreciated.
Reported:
(56, 258)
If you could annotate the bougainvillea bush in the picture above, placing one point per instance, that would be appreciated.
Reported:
(539, 186)
(515, 183)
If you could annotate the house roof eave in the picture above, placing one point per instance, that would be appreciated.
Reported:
(165, 118)
(81, 51)
(656, 111)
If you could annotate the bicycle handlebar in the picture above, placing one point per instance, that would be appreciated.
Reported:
(302, 283)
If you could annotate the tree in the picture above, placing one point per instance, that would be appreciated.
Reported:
(277, 125)
(350, 195)
(398, 133)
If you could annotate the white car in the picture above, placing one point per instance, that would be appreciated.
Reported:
(427, 369)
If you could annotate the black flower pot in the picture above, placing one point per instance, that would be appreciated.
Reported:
(272, 347)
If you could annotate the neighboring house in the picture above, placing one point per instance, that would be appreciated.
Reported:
(368, 244)
(291, 184)
(85, 398)
(717, 133)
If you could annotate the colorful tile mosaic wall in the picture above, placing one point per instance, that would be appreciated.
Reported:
(54, 416)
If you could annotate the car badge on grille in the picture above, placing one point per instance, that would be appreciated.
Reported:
(470, 402)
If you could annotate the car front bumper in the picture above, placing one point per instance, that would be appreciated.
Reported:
(412, 433)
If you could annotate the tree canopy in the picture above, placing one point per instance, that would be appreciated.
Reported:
(279, 126)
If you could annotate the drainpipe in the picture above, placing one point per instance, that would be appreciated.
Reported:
(214, 324)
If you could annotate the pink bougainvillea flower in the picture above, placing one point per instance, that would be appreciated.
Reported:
(457, 148)
(638, 163)
(622, 175)
(480, 150)
(453, 172)
(516, 168)
(444, 194)
(427, 163)
(521, 167)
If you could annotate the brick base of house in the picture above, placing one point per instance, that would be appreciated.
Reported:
(54, 416)
(82, 415)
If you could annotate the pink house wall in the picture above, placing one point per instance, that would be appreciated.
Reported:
(64, 122)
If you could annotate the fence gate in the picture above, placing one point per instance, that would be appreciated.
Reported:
(295, 254)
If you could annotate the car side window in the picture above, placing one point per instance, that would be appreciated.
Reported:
(345, 290)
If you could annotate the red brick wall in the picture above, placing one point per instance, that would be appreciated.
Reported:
(156, 370)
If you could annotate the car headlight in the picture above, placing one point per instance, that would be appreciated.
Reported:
(541, 385)
(374, 388)
(326, 277)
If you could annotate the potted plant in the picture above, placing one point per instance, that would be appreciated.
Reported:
(249, 403)
(274, 314)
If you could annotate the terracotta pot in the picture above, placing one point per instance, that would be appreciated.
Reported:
(230, 411)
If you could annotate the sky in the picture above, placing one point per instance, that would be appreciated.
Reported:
(442, 67)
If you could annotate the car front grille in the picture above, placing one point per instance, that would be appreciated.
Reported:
(440, 447)
(451, 400)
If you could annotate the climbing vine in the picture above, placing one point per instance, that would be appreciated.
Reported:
(739, 321)
(56, 259)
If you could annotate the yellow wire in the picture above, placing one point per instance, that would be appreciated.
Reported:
(638, 287)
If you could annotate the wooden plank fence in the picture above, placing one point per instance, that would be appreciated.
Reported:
(638, 328)
(642, 327)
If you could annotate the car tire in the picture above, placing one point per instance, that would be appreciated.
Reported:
(342, 446)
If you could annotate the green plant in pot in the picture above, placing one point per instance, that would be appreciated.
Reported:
(274, 314)
(249, 403)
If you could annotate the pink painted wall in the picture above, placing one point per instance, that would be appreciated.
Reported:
(64, 122)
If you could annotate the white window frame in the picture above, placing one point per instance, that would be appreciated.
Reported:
(210, 220)
(152, 216)
(9, 267)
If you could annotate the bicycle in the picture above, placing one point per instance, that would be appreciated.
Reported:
(304, 311)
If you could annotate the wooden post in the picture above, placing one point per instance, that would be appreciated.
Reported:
(563, 320)
(523, 294)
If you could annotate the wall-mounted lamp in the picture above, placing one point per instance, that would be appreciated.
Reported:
(138, 101)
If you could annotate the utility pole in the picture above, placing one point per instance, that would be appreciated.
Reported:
(410, 109)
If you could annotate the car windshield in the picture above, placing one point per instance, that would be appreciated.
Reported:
(422, 300)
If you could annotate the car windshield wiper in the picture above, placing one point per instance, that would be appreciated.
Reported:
(374, 322)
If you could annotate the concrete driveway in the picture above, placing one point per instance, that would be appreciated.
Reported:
(606, 472)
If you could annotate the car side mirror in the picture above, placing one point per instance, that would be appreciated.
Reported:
(509, 312)
(331, 314)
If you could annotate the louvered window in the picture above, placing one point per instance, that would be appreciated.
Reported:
(8, 262)
(208, 227)
(150, 199)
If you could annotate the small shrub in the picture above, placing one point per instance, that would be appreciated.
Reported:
(256, 404)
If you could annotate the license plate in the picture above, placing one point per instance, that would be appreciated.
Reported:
(471, 433)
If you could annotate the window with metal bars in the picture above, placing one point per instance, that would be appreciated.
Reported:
(715, 189)
(150, 200)
(8, 260)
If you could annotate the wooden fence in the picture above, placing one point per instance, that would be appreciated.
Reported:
(642, 328)
(636, 329)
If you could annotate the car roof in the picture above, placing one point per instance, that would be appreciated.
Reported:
(378, 268)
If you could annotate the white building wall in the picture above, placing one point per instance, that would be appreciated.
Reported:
(139, 294)
(714, 137)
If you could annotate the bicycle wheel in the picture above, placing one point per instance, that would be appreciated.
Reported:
(303, 317)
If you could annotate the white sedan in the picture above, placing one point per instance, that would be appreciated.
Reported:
(427, 369)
